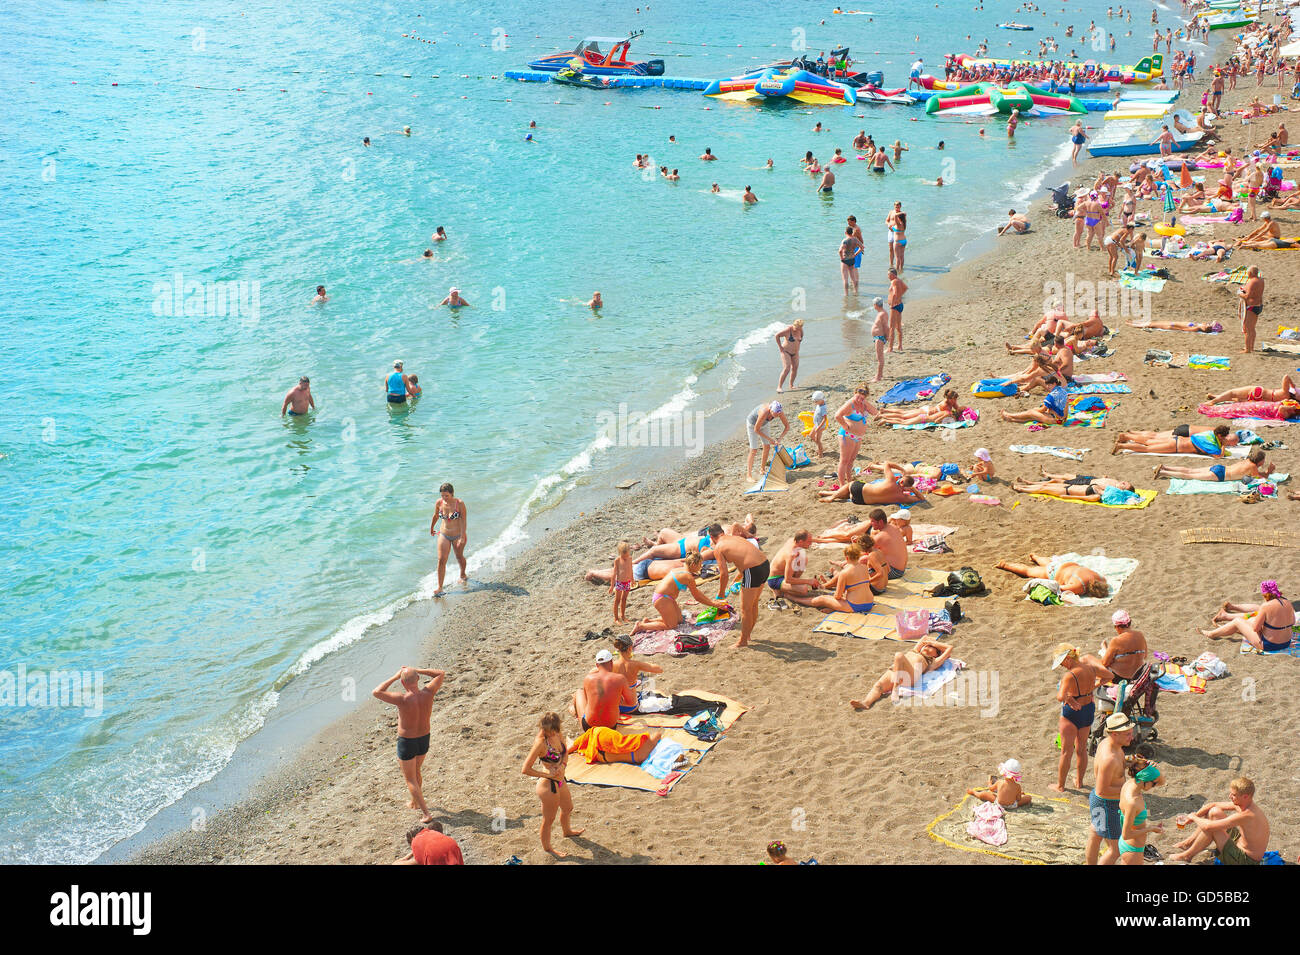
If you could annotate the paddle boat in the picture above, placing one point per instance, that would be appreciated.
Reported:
(596, 63)
(1136, 137)
(1229, 20)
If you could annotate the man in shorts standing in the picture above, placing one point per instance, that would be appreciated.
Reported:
(414, 705)
(1103, 800)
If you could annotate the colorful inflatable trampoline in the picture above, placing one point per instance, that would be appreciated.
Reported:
(775, 84)
(989, 98)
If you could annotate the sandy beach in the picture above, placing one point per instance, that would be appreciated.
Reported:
(801, 766)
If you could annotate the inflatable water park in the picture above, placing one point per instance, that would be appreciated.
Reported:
(989, 98)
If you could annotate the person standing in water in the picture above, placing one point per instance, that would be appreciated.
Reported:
(396, 384)
(298, 399)
(850, 249)
(454, 515)
(788, 341)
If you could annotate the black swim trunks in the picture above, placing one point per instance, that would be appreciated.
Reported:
(411, 747)
(1182, 431)
(855, 492)
(756, 576)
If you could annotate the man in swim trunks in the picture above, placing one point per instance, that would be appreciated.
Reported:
(414, 704)
(897, 289)
(749, 196)
(879, 161)
(1103, 800)
(454, 515)
(1237, 829)
(1252, 298)
(893, 487)
(888, 540)
(298, 399)
(1253, 467)
(850, 254)
(396, 385)
(786, 577)
(1015, 222)
(733, 550)
(596, 702)
(708, 155)
(828, 182)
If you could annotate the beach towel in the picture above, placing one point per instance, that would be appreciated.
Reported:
(905, 593)
(1046, 832)
(988, 824)
(1100, 377)
(1282, 348)
(1209, 362)
(951, 425)
(1271, 410)
(925, 537)
(731, 712)
(933, 681)
(1202, 220)
(1144, 498)
(629, 776)
(1070, 454)
(664, 641)
(663, 758)
(1142, 283)
(1234, 276)
(1291, 651)
(914, 389)
(1187, 486)
(1100, 388)
(1088, 411)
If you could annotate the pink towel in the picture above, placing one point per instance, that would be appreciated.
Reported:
(987, 824)
(1244, 409)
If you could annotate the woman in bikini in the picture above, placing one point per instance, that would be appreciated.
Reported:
(631, 668)
(897, 222)
(1075, 578)
(1080, 488)
(1077, 712)
(926, 414)
(1143, 777)
(1181, 440)
(1267, 627)
(668, 591)
(1207, 328)
(454, 534)
(788, 341)
(1257, 393)
(550, 749)
(852, 419)
(907, 670)
(849, 597)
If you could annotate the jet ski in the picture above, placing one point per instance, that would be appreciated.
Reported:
(572, 75)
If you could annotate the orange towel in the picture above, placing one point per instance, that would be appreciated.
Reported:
(602, 739)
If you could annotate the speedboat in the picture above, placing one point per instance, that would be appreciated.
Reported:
(598, 63)
(1014, 26)
(576, 75)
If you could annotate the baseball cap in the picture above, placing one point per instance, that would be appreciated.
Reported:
(902, 514)
(818, 397)
(604, 656)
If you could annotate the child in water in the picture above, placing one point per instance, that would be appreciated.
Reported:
(413, 386)
(620, 584)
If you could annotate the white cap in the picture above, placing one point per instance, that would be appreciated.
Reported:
(1266, 214)
(604, 656)
(902, 514)
(397, 364)
(818, 397)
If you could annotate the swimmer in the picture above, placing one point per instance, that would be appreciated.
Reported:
(427, 254)
(673, 176)
(454, 299)
(749, 195)
(440, 234)
(596, 303)
(366, 142)
(321, 297)
(769, 164)
(715, 189)
(406, 130)
(818, 128)
(672, 139)
(298, 399)
(708, 155)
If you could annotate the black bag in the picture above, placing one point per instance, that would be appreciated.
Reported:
(954, 611)
(692, 643)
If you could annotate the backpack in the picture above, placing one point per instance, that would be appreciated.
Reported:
(692, 643)
(967, 583)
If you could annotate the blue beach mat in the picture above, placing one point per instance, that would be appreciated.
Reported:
(911, 389)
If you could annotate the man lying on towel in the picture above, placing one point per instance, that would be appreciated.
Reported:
(1254, 466)
(892, 488)
(1075, 578)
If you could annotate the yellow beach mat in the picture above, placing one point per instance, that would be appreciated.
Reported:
(1144, 498)
(1049, 831)
(636, 722)
(629, 776)
(905, 593)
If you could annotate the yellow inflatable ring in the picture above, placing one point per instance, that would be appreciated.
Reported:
(1169, 230)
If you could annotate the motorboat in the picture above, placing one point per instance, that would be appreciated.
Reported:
(601, 56)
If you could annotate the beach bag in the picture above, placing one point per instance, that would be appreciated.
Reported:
(912, 624)
(784, 457)
(953, 609)
(1056, 401)
(692, 643)
(704, 726)
(800, 456)
(966, 583)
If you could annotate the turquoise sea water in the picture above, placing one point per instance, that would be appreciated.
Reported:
(165, 529)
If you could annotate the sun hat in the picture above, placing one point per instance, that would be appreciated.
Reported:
(818, 397)
(1010, 769)
(1063, 650)
(983, 454)
(1118, 723)
(604, 656)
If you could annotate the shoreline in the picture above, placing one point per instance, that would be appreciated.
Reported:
(261, 826)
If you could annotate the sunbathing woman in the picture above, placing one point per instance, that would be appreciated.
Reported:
(944, 411)
(1253, 466)
(1052, 411)
(648, 569)
(600, 744)
(1040, 374)
(1203, 327)
(1257, 393)
(1267, 627)
(1085, 479)
(667, 592)
(669, 546)
(852, 419)
(849, 597)
(1090, 327)
(907, 670)
(1181, 440)
(1075, 578)
(1080, 489)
